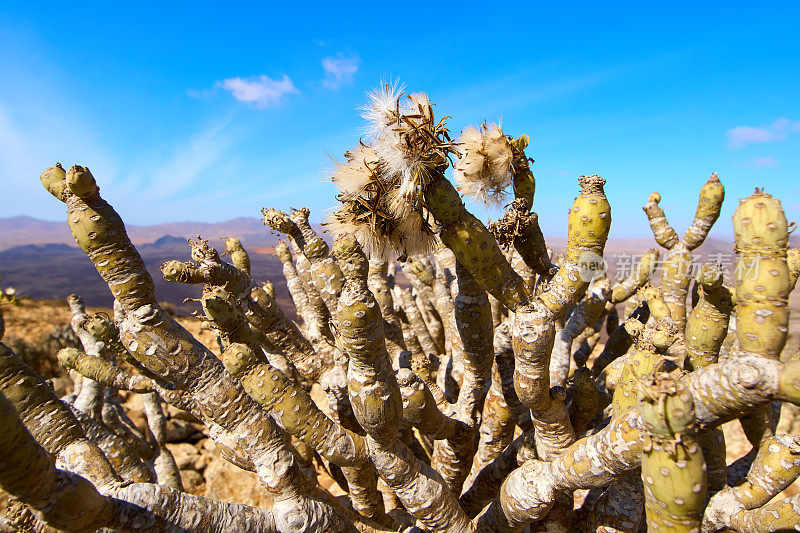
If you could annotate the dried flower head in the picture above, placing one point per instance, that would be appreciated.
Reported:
(409, 142)
(483, 170)
(366, 191)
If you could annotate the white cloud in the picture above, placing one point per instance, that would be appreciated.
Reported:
(741, 136)
(339, 71)
(260, 91)
(763, 162)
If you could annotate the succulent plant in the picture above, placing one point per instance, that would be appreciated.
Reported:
(469, 399)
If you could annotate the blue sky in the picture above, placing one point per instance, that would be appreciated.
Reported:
(202, 112)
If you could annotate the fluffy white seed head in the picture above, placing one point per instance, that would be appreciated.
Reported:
(484, 169)
(366, 192)
(408, 140)
(358, 171)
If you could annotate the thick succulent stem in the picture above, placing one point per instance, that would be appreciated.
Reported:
(239, 257)
(584, 405)
(678, 262)
(585, 314)
(420, 488)
(620, 507)
(488, 480)
(71, 503)
(650, 344)
(473, 316)
(417, 324)
(260, 308)
(474, 246)
(638, 277)
(763, 283)
(226, 316)
(522, 180)
(61, 435)
(68, 501)
(167, 472)
(318, 314)
(708, 320)
(709, 205)
(781, 515)
(295, 285)
(496, 430)
(376, 399)
(619, 341)
(165, 348)
(393, 331)
(296, 413)
(527, 494)
(673, 466)
(793, 261)
(103, 372)
(664, 233)
(425, 302)
(762, 275)
(776, 466)
(533, 334)
(122, 457)
(325, 273)
(292, 408)
(374, 392)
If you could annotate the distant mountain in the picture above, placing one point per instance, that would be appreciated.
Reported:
(40, 259)
(23, 230)
(53, 271)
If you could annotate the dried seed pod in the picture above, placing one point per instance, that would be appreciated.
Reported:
(520, 227)
(409, 141)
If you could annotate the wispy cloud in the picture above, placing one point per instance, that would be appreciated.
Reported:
(260, 91)
(741, 136)
(191, 164)
(339, 70)
(763, 162)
